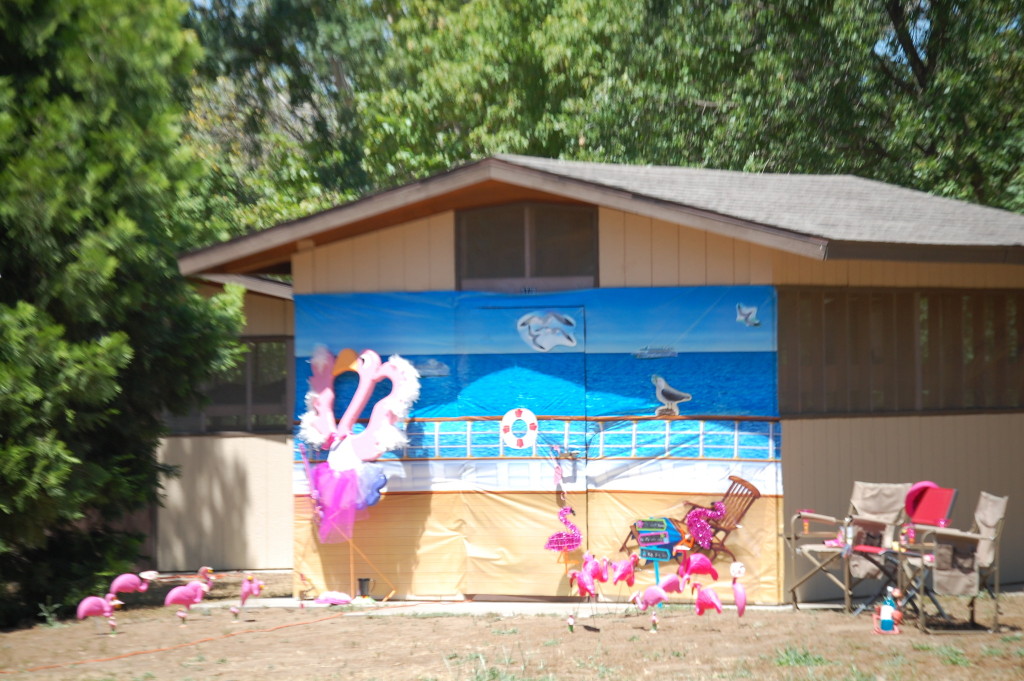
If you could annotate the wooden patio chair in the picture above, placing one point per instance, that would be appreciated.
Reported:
(738, 499)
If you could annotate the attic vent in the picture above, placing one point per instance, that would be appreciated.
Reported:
(527, 248)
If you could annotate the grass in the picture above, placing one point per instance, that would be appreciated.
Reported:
(791, 657)
(953, 656)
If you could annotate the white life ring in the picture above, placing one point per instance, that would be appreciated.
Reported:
(508, 436)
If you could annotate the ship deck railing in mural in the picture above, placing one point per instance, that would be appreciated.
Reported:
(731, 438)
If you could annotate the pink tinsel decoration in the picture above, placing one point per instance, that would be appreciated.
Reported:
(697, 523)
(569, 540)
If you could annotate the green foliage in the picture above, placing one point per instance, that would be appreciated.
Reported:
(926, 95)
(99, 333)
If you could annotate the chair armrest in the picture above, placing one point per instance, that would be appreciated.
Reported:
(800, 526)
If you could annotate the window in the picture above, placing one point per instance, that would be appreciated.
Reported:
(527, 247)
(899, 350)
(254, 396)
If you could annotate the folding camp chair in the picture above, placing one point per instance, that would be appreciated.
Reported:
(926, 504)
(737, 500)
(949, 562)
(876, 508)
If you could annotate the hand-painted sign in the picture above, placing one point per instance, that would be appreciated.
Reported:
(651, 524)
(652, 538)
(649, 553)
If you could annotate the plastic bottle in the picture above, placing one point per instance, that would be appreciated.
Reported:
(885, 619)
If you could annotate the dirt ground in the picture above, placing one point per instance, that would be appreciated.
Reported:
(610, 641)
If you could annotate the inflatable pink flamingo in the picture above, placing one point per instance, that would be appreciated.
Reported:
(649, 597)
(94, 606)
(568, 540)
(317, 425)
(132, 583)
(380, 434)
(624, 570)
(739, 593)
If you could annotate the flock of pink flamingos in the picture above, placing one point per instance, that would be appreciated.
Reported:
(185, 596)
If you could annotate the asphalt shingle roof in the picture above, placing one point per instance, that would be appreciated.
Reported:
(834, 207)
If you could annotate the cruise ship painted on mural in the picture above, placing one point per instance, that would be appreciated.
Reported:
(655, 352)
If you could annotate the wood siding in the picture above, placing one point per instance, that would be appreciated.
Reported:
(415, 256)
(231, 508)
(641, 251)
(823, 457)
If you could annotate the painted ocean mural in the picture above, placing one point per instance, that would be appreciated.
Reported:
(679, 381)
(582, 353)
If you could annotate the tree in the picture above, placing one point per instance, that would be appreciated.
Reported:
(928, 94)
(99, 333)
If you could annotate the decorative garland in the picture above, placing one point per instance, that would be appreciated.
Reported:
(698, 526)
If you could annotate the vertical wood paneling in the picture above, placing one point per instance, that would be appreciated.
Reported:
(761, 260)
(416, 242)
(391, 268)
(365, 254)
(638, 253)
(442, 251)
(611, 245)
(664, 254)
(302, 272)
(720, 260)
(741, 262)
(693, 257)
(267, 316)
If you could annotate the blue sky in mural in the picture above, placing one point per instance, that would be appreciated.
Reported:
(700, 319)
(590, 352)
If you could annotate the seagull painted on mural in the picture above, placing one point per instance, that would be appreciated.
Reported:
(668, 396)
(747, 314)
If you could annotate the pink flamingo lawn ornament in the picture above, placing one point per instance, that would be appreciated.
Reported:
(706, 599)
(649, 597)
(696, 564)
(186, 596)
(568, 540)
(624, 570)
(597, 569)
(251, 587)
(584, 582)
(132, 583)
(739, 593)
(94, 606)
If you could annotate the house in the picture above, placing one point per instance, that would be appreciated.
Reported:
(663, 328)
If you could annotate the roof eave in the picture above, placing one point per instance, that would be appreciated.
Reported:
(288, 235)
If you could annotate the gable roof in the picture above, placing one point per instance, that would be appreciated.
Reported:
(816, 216)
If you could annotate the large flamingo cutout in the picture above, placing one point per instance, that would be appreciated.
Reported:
(346, 482)
(380, 434)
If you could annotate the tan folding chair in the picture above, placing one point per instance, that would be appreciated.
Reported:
(950, 562)
(876, 509)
